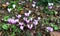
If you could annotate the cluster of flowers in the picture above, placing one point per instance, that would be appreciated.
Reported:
(28, 20)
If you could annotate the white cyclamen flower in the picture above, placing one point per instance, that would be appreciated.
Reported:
(50, 4)
(33, 5)
(9, 9)
(14, 5)
(29, 11)
(39, 18)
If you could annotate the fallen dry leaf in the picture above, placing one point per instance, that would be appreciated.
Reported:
(55, 33)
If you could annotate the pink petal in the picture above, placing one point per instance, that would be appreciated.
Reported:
(26, 14)
(13, 21)
(30, 26)
(17, 20)
(27, 21)
(9, 20)
(49, 28)
(7, 3)
(21, 23)
(18, 16)
(21, 27)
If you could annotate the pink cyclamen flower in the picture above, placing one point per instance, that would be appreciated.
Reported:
(21, 27)
(25, 18)
(18, 16)
(21, 23)
(49, 28)
(35, 22)
(27, 21)
(31, 19)
(10, 20)
(17, 20)
(13, 21)
(26, 14)
(50, 7)
(30, 26)
(7, 3)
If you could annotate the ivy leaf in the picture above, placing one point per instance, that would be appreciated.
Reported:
(52, 25)
(5, 18)
(39, 34)
(31, 0)
(20, 8)
(51, 13)
(39, 3)
(5, 26)
(10, 6)
(28, 33)
(13, 34)
(56, 28)
(14, 27)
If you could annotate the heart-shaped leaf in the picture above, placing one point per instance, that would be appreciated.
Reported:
(5, 26)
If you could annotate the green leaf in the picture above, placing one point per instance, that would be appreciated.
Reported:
(56, 28)
(31, 0)
(28, 33)
(5, 26)
(20, 8)
(13, 34)
(39, 3)
(39, 34)
(13, 26)
(5, 18)
(10, 6)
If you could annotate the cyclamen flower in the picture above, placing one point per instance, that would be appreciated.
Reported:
(9, 10)
(26, 14)
(31, 19)
(34, 2)
(17, 20)
(28, 21)
(10, 20)
(35, 22)
(21, 23)
(14, 5)
(50, 4)
(13, 21)
(29, 12)
(21, 27)
(7, 3)
(39, 18)
(18, 16)
(33, 5)
(50, 7)
(25, 18)
(49, 28)
(30, 26)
